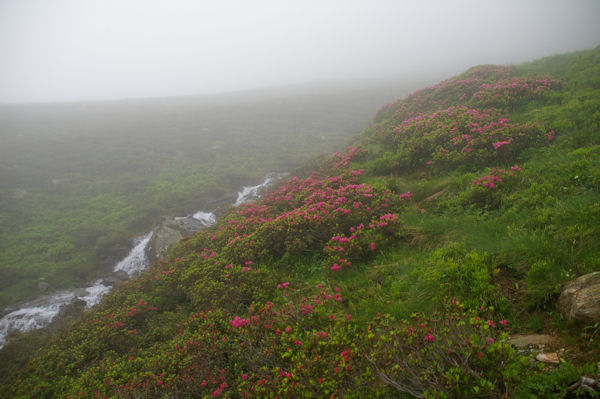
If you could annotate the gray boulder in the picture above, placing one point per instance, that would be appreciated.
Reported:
(164, 236)
(115, 278)
(580, 299)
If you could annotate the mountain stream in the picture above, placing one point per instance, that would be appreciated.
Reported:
(41, 311)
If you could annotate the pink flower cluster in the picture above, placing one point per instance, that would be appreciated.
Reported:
(362, 241)
(499, 144)
(238, 322)
(495, 176)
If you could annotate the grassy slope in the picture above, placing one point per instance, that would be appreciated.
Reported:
(94, 175)
(343, 283)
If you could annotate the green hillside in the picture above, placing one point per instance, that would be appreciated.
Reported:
(80, 180)
(397, 267)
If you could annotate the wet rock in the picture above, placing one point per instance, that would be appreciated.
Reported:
(580, 299)
(115, 278)
(165, 235)
(171, 230)
(188, 225)
(72, 310)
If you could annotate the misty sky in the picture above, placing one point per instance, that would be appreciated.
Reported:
(64, 50)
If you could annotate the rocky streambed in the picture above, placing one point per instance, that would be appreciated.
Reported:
(154, 245)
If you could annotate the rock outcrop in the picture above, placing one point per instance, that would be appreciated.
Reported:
(169, 232)
(115, 278)
(580, 299)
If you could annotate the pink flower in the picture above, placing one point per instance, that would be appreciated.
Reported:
(244, 376)
(288, 329)
(490, 340)
(238, 322)
(491, 323)
(499, 144)
(429, 337)
(503, 322)
(159, 382)
(372, 246)
(335, 267)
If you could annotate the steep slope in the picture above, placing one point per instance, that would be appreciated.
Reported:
(397, 267)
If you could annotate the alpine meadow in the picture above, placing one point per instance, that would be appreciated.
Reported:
(409, 263)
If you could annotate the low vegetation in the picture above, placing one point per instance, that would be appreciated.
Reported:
(395, 268)
(80, 181)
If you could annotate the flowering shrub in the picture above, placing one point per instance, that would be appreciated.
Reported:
(488, 190)
(456, 354)
(451, 92)
(514, 91)
(306, 346)
(484, 86)
(362, 241)
(458, 122)
(495, 177)
(459, 136)
(301, 215)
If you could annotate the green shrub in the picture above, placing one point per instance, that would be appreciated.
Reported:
(544, 281)
(454, 272)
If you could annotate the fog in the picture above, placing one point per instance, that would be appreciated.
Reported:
(67, 50)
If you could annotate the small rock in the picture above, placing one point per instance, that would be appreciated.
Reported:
(42, 286)
(115, 277)
(72, 309)
(523, 341)
(548, 358)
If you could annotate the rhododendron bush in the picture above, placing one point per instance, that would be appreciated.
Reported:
(470, 127)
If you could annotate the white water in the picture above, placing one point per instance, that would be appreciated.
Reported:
(95, 293)
(249, 193)
(35, 314)
(206, 218)
(41, 311)
(137, 260)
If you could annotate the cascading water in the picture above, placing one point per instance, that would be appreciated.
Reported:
(137, 260)
(206, 218)
(251, 192)
(41, 311)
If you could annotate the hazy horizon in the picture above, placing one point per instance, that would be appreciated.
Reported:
(69, 50)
